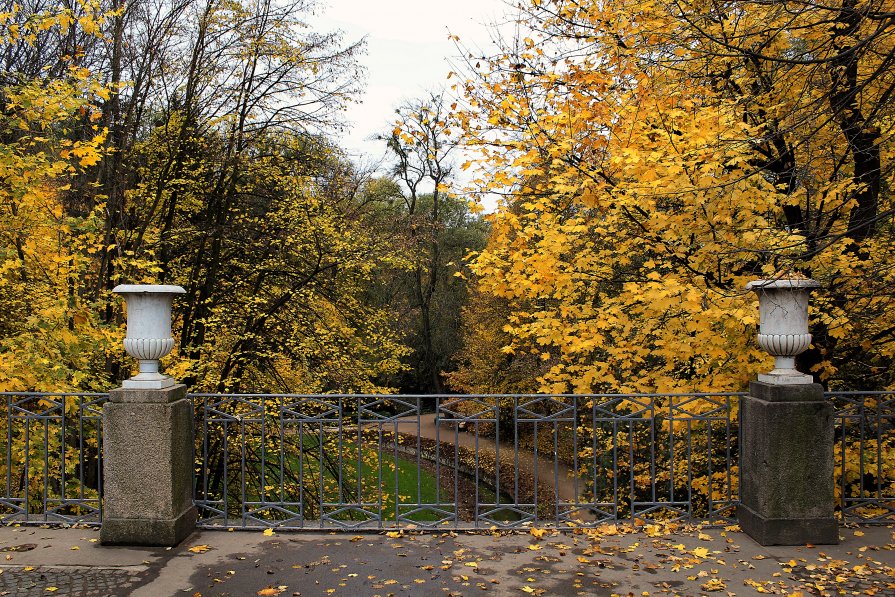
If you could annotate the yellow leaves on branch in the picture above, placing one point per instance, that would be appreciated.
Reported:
(87, 16)
(51, 334)
(639, 197)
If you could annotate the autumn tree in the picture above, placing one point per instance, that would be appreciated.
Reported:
(50, 335)
(436, 230)
(194, 147)
(658, 155)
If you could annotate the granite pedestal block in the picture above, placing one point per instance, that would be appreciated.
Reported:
(786, 474)
(147, 467)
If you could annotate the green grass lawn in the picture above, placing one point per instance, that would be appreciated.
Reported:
(376, 484)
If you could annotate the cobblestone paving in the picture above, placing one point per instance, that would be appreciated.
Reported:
(74, 581)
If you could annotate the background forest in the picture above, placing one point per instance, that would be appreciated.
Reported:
(650, 158)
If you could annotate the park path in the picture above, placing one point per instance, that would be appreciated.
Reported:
(548, 470)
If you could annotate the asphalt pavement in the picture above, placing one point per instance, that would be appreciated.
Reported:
(608, 561)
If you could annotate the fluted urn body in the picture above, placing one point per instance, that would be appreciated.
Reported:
(148, 331)
(783, 330)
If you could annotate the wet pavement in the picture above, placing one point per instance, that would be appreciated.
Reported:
(654, 560)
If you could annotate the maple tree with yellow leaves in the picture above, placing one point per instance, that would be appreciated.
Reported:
(653, 157)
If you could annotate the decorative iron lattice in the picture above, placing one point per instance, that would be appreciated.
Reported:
(865, 455)
(463, 461)
(457, 461)
(51, 467)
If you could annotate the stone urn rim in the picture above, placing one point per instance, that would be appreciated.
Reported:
(148, 289)
(782, 283)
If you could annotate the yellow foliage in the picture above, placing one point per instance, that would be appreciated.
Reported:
(641, 161)
(50, 336)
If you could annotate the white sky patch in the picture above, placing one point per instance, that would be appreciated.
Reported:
(408, 54)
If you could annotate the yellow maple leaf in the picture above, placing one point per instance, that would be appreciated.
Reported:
(199, 548)
(714, 584)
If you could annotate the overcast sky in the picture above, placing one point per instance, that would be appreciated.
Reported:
(407, 53)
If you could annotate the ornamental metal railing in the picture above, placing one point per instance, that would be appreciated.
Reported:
(374, 461)
(51, 458)
(865, 455)
(350, 461)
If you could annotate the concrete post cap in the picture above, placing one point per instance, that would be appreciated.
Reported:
(148, 288)
(782, 283)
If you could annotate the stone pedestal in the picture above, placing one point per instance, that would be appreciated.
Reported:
(786, 474)
(147, 467)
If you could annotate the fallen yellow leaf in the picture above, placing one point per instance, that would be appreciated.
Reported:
(199, 548)
(268, 532)
(714, 584)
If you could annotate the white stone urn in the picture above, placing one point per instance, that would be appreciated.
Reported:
(148, 331)
(783, 330)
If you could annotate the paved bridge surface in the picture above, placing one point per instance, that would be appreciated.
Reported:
(46, 561)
